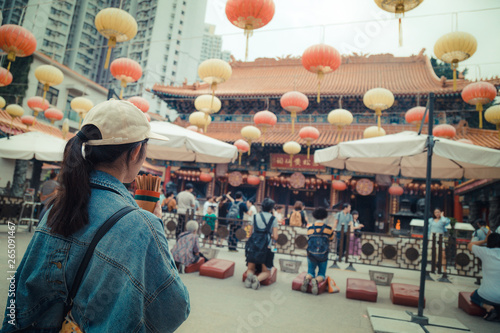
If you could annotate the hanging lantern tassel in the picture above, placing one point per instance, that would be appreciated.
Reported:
(213, 86)
(206, 122)
(123, 85)
(454, 66)
(11, 56)
(294, 115)
(378, 113)
(479, 108)
(320, 77)
(400, 33)
(111, 44)
(45, 89)
(498, 129)
(250, 147)
(248, 33)
(291, 158)
(263, 135)
(308, 148)
(239, 158)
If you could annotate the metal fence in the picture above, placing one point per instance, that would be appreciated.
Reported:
(445, 256)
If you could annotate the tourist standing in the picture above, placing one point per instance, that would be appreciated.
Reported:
(278, 214)
(437, 226)
(235, 217)
(298, 217)
(320, 234)
(47, 191)
(342, 221)
(210, 219)
(488, 294)
(169, 205)
(224, 205)
(355, 238)
(481, 232)
(131, 262)
(186, 203)
(259, 257)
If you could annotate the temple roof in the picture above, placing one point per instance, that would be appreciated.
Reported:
(329, 135)
(18, 127)
(357, 74)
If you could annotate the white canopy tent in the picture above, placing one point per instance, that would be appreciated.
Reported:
(188, 146)
(37, 145)
(405, 154)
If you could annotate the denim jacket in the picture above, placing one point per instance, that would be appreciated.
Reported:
(131, 283)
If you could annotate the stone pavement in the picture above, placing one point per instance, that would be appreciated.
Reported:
(226, 306)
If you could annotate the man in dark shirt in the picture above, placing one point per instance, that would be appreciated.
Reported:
(236, 225)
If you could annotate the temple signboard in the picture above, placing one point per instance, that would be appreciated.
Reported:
(299, 162)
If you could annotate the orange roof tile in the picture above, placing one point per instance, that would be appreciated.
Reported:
(18, 127)
(329, 135)
(356, 75)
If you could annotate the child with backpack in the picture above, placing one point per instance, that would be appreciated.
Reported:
(259, 256)
(320, 234)
(298, 217)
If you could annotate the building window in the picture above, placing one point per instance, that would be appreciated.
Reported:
(173, 74)
(52, 94)
(178, 42)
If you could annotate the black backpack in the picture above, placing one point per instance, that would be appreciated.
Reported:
(318, 245)
(257, 246)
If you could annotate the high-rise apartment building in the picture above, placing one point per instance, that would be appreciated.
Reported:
(167, 44)
(211, 47)
(12, 10)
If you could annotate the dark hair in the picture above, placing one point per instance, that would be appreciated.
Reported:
(345, 205)
(354, 212)
(267, 205)
(298, 205)
(480, 222)
(320, 213)
(189, 186)
(278, 207)
(52, 175)
(169, 193)
(251, 201)
(493, 241)
(438, 208)
(69, 211)
(238, 195)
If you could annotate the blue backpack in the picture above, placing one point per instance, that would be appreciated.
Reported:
(318, 246)
(257, 246)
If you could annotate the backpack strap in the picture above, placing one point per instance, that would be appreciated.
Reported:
(110, 222)
(321, 231)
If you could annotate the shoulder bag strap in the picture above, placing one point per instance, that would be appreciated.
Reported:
(269, 223)
(90, 250)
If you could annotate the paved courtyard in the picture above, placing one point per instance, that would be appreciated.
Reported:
(226, 306)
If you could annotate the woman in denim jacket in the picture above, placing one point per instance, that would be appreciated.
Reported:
(131, 283)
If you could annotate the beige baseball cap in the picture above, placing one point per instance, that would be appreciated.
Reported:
(119, 122)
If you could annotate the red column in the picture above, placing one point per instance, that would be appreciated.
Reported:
(458, 212)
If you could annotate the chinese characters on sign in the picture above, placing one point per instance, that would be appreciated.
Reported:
(299, 162)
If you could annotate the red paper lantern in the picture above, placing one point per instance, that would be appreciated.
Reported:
(253, 180)
(415, 115)
(53, 115)
(243, 147)
(309, 134)
(249, 15)
(396, 190)
(141, 103)
(38, 104)
(321, 59)
(444, 131)
(264, 119)
(205, 177)
(294, 102)
(5, 77)
(478, 94)
(339, 185)
(16, 41)
(125, 70)
(28, 120)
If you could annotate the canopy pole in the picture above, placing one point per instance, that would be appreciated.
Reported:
(430, 145)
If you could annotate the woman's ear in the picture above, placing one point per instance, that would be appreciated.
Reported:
(135, 153)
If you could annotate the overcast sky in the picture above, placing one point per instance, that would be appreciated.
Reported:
(298, 24)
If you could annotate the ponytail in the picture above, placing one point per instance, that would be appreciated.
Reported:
(69, 212)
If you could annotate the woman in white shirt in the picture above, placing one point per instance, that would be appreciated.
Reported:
(488, 294)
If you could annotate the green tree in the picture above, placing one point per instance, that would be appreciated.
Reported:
(443, 69)
(17, 89)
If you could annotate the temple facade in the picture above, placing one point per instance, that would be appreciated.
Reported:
(259, 85)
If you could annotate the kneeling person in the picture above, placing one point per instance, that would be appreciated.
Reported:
(320, 234)
(264, 229)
